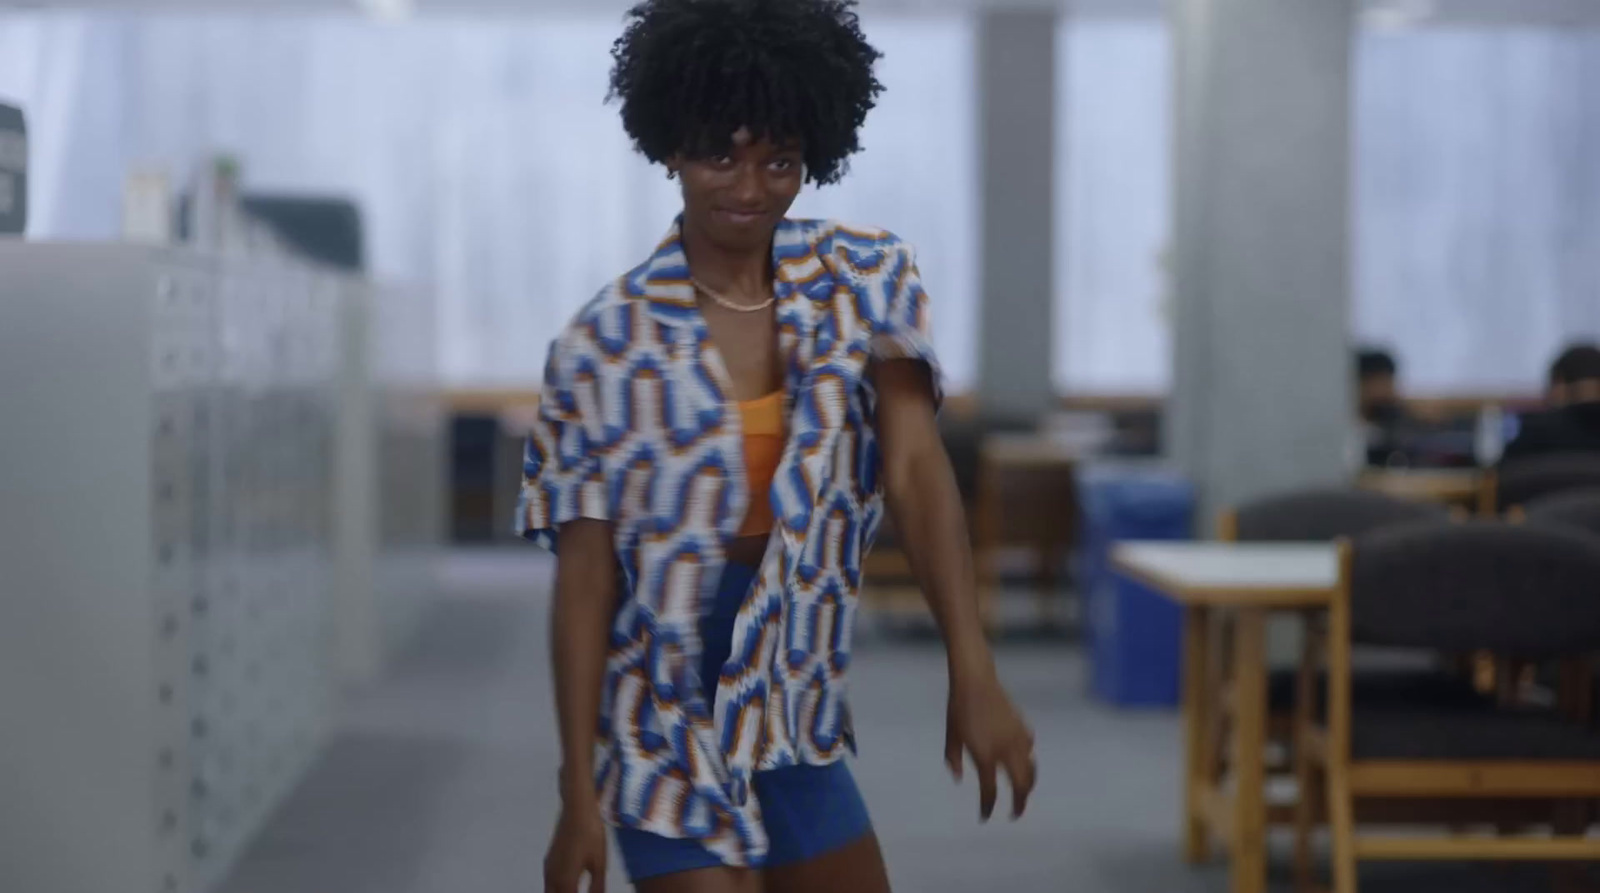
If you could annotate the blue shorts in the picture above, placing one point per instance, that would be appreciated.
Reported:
(807, 811)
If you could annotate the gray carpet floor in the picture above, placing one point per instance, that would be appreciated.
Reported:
(441, 778)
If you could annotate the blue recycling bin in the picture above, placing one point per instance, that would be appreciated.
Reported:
(1135, 635)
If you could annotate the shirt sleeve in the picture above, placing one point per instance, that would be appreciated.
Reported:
(907, 333)
(563, 467)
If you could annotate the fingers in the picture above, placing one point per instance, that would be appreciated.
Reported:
(1022, 770)
(986, 787)
(952, 750)
(562, 873)
(557, 879)
(565, 878)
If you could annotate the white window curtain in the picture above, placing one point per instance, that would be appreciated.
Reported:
(1113, 163)
(490, 172)
(1478, 203)
(65, 70)
(1476, 215)
(486, 165)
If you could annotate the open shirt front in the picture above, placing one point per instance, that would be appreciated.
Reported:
(637, 426)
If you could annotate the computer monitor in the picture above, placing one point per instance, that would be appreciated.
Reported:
(13, 170)
(324, 229)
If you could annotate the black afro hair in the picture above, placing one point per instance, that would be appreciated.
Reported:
(1579, 362)
(689, 73)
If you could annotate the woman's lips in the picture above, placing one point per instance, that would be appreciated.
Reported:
(741, 218)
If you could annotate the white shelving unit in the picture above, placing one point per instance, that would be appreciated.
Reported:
(190, 541)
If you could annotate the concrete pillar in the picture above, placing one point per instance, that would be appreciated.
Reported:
(1017, 108)
(1261, 396)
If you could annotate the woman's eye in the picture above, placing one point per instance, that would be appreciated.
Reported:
(722, 160)
(783, 164)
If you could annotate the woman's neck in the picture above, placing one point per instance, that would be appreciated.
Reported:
(738, 272)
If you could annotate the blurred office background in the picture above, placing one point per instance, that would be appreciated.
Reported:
(281, 307)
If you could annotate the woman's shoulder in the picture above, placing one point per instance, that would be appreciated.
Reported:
(829, 234)
(604, 312)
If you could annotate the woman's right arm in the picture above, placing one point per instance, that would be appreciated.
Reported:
(580, 627)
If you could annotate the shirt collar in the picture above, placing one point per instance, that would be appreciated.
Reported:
(663, 280)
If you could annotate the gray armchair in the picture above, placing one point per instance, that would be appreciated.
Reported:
(1325, 515)
(1521, 481)
(1526, 590)
(1578, 509)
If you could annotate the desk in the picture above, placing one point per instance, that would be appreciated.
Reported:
(1250, 581)
(1452, 486)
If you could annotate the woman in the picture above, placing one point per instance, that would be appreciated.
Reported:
(717, 432)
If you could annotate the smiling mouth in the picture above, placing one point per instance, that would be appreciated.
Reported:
(742, 217)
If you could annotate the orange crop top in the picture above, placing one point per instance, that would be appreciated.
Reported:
(763, 446)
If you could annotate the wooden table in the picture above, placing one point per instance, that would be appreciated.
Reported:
(1250, 581)
(1451, 486)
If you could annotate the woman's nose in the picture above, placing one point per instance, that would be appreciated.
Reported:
(747, 188)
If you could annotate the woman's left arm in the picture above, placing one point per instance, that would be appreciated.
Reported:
(931, 523)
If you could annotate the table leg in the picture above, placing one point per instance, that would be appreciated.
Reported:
(1249, 868)
(1198, 705)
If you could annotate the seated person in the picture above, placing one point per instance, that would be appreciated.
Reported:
(1572, 421)
(1565, 371)
(1381, 414)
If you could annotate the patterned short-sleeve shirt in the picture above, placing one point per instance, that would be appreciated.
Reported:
(637, 426)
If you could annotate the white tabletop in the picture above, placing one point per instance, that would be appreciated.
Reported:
(1219, 571)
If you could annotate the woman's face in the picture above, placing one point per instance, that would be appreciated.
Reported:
(737, 200)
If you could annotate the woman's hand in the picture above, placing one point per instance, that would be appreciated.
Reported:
(982, 722)
(577, 849)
